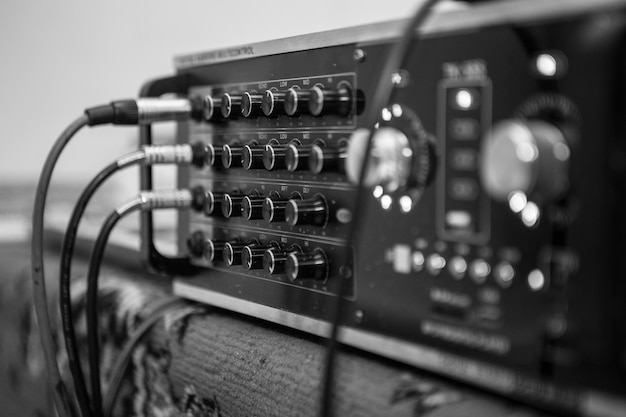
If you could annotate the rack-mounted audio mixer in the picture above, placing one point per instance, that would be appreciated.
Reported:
(491, 247)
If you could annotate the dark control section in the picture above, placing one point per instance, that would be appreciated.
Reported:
(490, 233)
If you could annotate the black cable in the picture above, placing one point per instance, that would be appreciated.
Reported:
(65, 300)
(95, 262)
(145, 201)
(124, 356)
(382, 95)
(59, 393)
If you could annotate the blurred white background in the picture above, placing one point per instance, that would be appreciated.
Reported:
(61, 56)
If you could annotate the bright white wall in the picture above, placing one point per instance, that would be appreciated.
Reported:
(58, 57)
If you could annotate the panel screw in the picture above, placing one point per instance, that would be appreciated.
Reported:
(359, 55)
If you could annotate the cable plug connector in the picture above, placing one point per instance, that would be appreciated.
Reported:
(163, 199)
(169, 154)
(142, 111)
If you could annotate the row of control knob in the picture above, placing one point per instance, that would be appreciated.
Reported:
(317, 101)
(274, 156)
(294, 210)
(255, 255)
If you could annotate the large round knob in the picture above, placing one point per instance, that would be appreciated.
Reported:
(311, 265)
(400, 154)
(274, 259)
(297, 156)
(213, 203)
(252, 256)
(337, 101)
(529, 156)
(213, 156)
(313, 211)
(390, 158)
(274, 208)
(231, 205)
(274, 156)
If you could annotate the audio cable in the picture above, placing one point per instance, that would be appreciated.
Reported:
(147, 201)
(148, 155)
(124, 112)
(384, 90)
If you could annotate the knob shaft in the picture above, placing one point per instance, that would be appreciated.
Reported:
(323, 159)
(251, 105)
(215, 250)
(311, 265)
(274, 157)
(232, 252)
(273, 103)
(325, 102)
(231, 205)
(252, 207)
(230, 106)
(252, 157)
(213, 156)
(313, 211)
(213, 204)
(232, 156)
(297, 101)
(297, 156)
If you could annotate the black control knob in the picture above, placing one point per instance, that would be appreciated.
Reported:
(211, 109)
(213, 156)
(324, 159)
(297, 101)
(527, 156)
(214, 250)
(311, 265)
(213, 203)
(196, 244)
(313, 211)
(231, 205)
(338, 102)
(274, 156)
(252, 207)
(274, 259)
(251, 105)
(232, 156)
(198, 198)
(273, 103)
(252, 256)
(274, 208)
(297, 156)
(231, 106)
(232, 252)
(252, 157)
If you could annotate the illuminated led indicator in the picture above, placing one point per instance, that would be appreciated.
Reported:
(536, 280)
(406, 203)
(435, 263)
(561, 151)
(517, 201)
(457, 267)
(402, 259)
(547, 65)
(464, 99)
(418, 261)
(526, 151)
(531, 214)
(459, 219)
(378, 191)
(386, 114)
(396, 110)
(504, 274)
(479, 270)
(385, 202)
